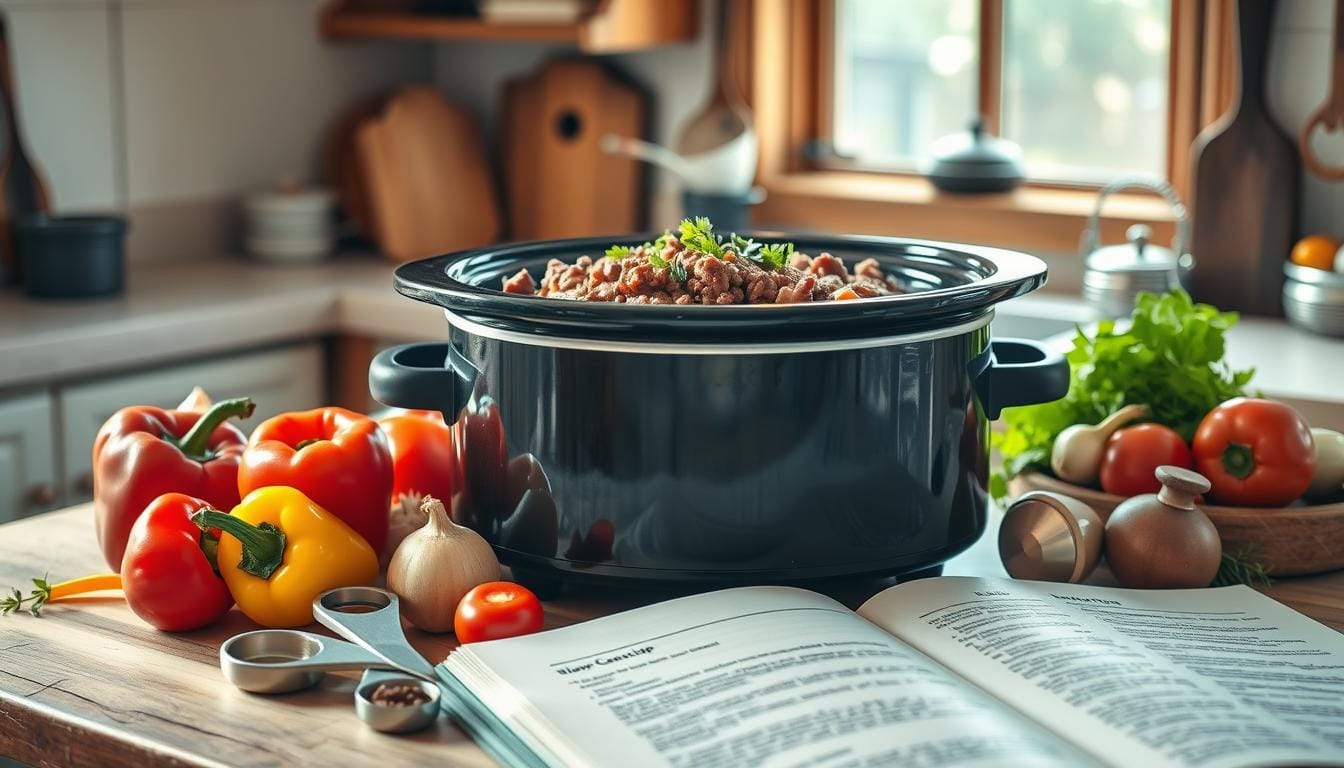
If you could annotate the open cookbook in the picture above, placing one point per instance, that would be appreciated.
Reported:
(937, 672)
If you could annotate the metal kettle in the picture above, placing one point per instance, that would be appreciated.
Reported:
(1115, 274)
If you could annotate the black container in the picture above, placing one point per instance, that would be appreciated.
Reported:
(69, 257)
(729, 444)
(730, 213)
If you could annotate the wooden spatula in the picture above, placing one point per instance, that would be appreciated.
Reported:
(1245, 188)
(726, 116)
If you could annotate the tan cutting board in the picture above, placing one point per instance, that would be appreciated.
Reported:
(559, 182)
(427, 177)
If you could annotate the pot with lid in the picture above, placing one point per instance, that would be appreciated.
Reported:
(1116, 274)
(723, 444)
(974, 162)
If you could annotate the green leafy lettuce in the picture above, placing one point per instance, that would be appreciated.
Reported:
(1170, 359)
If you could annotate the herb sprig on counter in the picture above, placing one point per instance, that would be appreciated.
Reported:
(1242, 568)
(38, 597)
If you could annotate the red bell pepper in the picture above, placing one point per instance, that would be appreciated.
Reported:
(424, 458)
(143, 452)
(169, 573)
(336, 457)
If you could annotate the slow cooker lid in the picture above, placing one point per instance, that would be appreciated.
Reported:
(946, 284)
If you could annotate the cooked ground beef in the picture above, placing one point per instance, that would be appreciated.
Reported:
(691, 277)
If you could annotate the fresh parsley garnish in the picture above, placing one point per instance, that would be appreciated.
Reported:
(773, 256)
(661, 243)
(698, 235)
(745, 246)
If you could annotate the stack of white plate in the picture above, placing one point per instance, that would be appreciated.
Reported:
(289, 225)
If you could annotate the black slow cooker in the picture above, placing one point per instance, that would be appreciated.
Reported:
(723, 444)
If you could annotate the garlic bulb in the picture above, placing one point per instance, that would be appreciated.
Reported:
(435, 566)
(1076, 455)
(404, 518)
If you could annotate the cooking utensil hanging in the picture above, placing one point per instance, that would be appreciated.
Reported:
(1330, 115)
(22, 189)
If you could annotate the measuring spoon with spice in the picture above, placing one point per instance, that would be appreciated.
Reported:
(398, 692)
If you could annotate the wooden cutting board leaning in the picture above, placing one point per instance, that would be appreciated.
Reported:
(558, 181)
(426, 176)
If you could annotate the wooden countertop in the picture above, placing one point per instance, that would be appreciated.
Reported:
(89, 684)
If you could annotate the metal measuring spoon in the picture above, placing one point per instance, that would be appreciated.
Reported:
(377, 629)
(285, 660)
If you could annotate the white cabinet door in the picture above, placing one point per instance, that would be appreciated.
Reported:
(27, 456)
(286, 379)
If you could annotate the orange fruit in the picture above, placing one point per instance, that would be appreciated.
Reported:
(1315, 251)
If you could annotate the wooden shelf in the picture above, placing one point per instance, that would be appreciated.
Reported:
(614, 25)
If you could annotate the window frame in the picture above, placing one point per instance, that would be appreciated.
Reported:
(786, 55)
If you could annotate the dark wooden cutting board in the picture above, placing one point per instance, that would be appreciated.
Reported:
(558, 181)
(22, 190)
(1245, 187)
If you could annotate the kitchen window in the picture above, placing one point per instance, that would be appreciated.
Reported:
(1080, 85)
(849, 95)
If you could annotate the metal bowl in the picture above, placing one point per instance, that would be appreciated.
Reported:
(1314, 299)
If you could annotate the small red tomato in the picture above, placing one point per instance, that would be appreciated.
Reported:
(1134, 453)
(1256, 453)
(496, 610)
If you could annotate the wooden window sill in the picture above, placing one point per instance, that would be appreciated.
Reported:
(1038, 219)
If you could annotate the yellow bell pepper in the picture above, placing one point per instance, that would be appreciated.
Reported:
(278, 550)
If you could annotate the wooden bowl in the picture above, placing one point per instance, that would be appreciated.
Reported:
(1292, 541)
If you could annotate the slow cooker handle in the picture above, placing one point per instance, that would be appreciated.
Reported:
(1019, 372)
(431, 376)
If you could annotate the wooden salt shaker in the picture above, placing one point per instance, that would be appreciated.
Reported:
(1162, 540)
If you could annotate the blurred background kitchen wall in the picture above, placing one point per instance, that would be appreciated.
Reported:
(170, 109)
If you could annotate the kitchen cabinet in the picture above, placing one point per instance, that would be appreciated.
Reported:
(285, 379)
(27, 456)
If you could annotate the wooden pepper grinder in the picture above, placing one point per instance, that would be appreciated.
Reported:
(1162, 540)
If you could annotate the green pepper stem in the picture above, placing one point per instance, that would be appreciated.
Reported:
(196, 443)
(263, 545)
(1238, 460)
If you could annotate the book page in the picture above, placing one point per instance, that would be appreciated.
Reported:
(753, 676)
(1210, 677)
